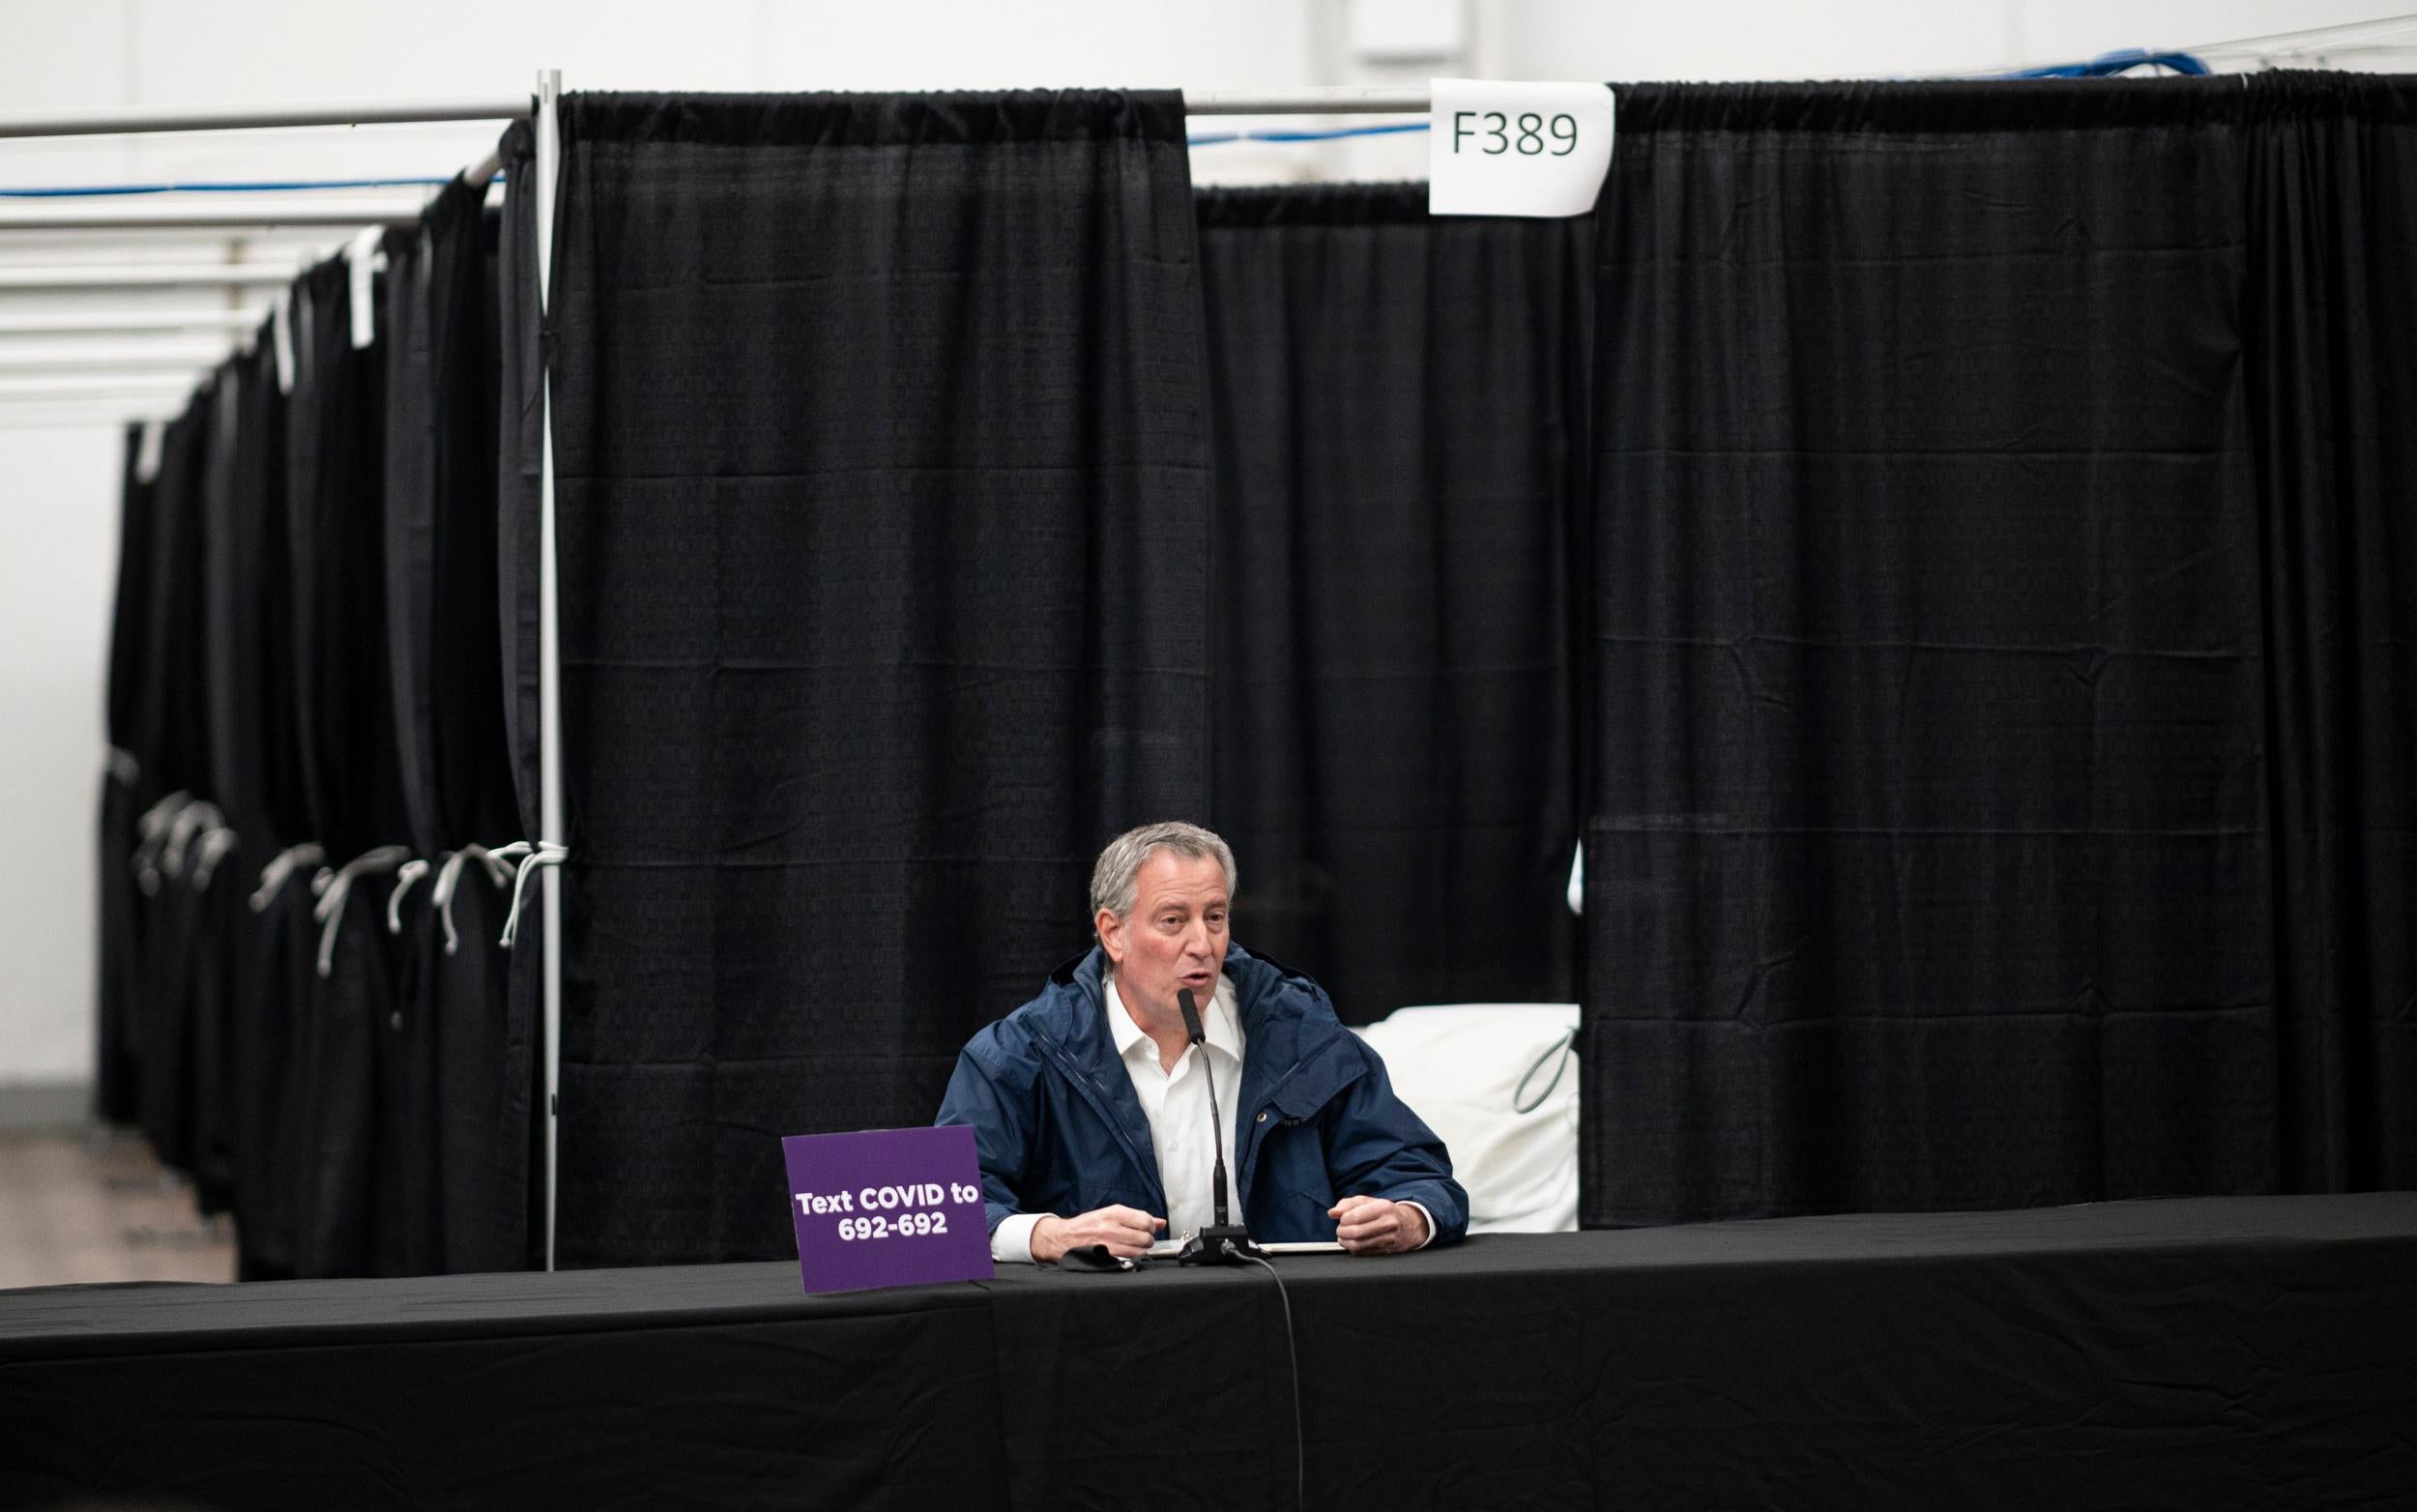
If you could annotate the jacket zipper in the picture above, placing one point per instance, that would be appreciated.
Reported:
(1105, 1107)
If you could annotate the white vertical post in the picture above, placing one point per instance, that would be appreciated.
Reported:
(550, 653)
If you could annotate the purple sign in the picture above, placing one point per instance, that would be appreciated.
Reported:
(887, 1207)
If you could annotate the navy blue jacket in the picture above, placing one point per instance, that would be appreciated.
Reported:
(1061, 1131)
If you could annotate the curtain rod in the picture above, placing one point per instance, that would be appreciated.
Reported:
(1347, 99)
(99, 385)
(76, 322)
(151, 276)
(203, 351)
(85, 215)
(79, 415)
(113, 120)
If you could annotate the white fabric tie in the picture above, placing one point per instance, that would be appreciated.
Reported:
(498, 867)
(330, 910)
(154, 827)
(410, 872)
(194, 818)
(532, 857)
(216, 845)
(291, 859)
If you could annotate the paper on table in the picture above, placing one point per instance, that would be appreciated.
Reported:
(1166, 1247)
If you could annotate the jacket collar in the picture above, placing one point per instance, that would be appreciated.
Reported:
(1287, 1045)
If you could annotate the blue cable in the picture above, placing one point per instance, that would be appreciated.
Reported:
(2107, 65)
(1219, 138)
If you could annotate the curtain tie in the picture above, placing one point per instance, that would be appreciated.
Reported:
(194, 818)
(153, 826)
(330, 908)
(409, 872)
(216, 844)
(498, 867)
(288, 862)
(544, 852)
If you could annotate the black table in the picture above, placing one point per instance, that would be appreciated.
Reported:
(2232, 1352)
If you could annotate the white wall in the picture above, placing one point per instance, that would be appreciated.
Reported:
(58, 485)
(58, 543)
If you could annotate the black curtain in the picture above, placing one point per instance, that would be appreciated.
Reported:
(884, 517)
(518, 1209)
(350, 1211)
(234, 628)
(277, 1155)
(117, 1096)
(444, 1052)
(172, 745)
(1990, 647)
(407, 1048)
(1398, 405)
(256, 731)
(2329, 310)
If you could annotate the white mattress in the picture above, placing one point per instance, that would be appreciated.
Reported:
(1458, 1066)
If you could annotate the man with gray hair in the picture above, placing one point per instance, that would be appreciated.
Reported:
(1091, 1103)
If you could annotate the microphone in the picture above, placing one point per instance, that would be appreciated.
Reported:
(1224, 1242)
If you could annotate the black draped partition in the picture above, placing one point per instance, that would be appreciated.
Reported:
(2330, 309)
(257, 731)
(882, 475)
(352, 1220)
(117, 1092)
(520, 418)
(171, 738)
(1399, 415)
(457, 1135)
(306, 694)
(2000, 679)
(243, 628)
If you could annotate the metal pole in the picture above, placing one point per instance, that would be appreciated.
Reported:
(1352, 99)
(100, 385)
(79, 321)
(73, 415)
(232, 118)
(228, 214)
(1349, 99)
(549, 655)
(151, 276)
(196, 353)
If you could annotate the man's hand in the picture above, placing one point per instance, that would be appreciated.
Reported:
(1127, 1232)
(1374, 1226)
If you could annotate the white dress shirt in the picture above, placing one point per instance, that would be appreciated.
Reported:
(1175, 1104)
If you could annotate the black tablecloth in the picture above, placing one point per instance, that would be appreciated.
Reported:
(2241, 1352)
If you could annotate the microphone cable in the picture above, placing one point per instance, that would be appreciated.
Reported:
(1300, 1450)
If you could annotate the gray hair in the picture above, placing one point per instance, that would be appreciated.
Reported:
(1113, 879)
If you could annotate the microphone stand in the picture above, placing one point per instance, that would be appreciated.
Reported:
(1223, 1242)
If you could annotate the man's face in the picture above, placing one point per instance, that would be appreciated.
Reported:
(1174, 935)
